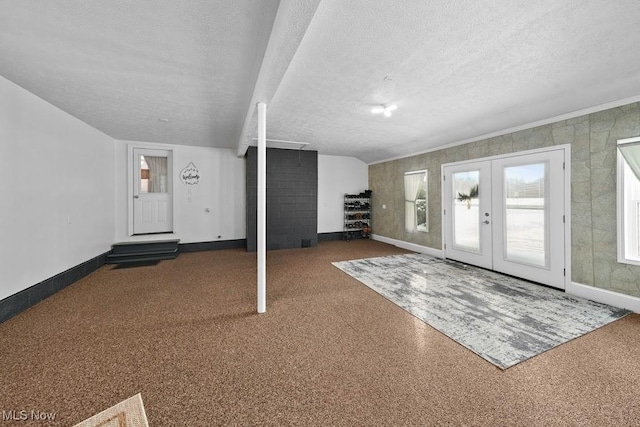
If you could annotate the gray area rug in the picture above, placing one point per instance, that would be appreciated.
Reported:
(500, 318)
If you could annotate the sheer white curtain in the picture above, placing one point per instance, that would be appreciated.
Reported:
(412, 183)
(157, 174)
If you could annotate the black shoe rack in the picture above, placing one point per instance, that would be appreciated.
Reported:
(357, 215)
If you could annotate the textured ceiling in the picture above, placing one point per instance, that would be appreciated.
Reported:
(457, 70)
(121, 66)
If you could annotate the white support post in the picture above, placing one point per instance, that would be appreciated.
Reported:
(262, 207)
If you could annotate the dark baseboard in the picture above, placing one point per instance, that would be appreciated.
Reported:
(339, 235)
(325, 237)
(26, 298)
(213, 246)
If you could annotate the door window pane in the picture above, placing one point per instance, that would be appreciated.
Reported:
(144, 176)
(466, 211)
(525, 214)
(153, 174)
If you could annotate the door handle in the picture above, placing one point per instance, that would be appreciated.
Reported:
(136, 196)
(486, 221)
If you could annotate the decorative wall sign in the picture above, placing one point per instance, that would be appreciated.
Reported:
(190, 175)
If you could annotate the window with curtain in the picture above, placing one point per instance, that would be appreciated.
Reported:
(415, 201)
(629, 201)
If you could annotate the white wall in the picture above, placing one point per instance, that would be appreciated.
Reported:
(221, 189)
(56, 191)
(61, 205)
(336, 176)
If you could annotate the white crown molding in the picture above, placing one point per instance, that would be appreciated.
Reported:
(549, 120)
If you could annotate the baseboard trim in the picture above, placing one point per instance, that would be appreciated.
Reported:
(592, 293)
(212, 246)
(19, 302)
(604, 296)
(438, 253)
(325, 237)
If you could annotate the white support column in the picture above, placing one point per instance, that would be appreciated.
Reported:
(262, 207)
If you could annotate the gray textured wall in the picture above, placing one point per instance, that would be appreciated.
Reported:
(292, 198)
(593, 140)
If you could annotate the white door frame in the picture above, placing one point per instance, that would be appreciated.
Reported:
(130, 184)
(567, 197)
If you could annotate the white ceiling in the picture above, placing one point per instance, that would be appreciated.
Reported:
(121, 66)
(457, 70)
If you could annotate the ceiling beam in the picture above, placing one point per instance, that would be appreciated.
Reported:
(289, 27)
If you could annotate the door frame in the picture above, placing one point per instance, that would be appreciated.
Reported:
(130, 192)
(567, 197)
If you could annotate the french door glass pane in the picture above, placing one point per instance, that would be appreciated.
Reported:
(525, 214)
(466, 212)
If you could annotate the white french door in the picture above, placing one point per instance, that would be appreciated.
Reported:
(507, 214)
(152, 191)
(467, 188)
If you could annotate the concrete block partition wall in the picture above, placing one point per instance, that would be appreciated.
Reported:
(292, 198)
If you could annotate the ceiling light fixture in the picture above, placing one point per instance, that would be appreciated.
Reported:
(384, 109)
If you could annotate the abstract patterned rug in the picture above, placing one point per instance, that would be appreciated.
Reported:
(500, 318)
(128, 413)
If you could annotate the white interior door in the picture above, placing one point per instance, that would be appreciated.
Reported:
(152, 191)
(514, 222)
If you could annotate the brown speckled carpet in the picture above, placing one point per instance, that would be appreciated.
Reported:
(329, 351)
